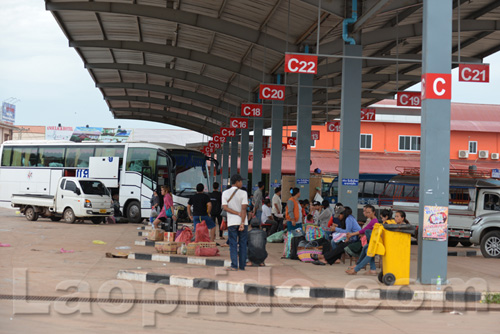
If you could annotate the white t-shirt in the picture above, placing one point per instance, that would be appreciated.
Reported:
(239, 199)
(318, 198)
(266, 212)
(276, 201)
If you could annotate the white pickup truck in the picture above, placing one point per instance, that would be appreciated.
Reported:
(74, 199)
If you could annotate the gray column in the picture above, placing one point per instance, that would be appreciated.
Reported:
(304, 123)
(257, 153)
(219, 159)
(244, 156)
(435, 128)
(276, 141)
(234, 154)
(350, 127)
(225, 164)
(211, 179)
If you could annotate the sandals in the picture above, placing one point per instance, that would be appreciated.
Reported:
(371, 273)
(318, 263)
(350, 272)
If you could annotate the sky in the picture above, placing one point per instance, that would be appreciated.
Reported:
(51, 85)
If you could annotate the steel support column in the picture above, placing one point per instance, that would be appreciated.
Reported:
(257, 153)
(234, 154)
(276, 142)
(219, 159)
(211, 173)
(435, 128)
(350, 118)
(244, 156)
(225, 165)
(304, 123)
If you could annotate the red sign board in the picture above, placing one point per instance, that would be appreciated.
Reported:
(211, 144)
(238, 123)
(474, 72)
(409, 99)
(284, 147)
(367, 114)
(216, 138)
(272, 92)
(333, 126)
(217, 145)
(227, 132)
(250, 157)
(292, 141)
(314, 135)
(436, 86)
(301, 64)
(251, 110)
(266, 152)
(207, 150)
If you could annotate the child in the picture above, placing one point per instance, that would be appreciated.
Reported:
(155, 207)
(309, 219)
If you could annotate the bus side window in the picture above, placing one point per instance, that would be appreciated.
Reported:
(6, 156)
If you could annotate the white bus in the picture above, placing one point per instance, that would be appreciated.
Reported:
(34, 167)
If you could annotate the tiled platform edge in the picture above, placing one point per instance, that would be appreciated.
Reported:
(211, 262)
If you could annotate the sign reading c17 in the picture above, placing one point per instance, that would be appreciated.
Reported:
(251, 110)
(333, 126)
(227, 132)
(303, 63)
(409, 99)
(272, 92)
(367, 114)
(238, 123)
(474, 72)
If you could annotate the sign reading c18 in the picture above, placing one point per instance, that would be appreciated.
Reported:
(303, 63)
(251, 110)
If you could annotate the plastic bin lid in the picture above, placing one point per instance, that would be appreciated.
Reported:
(403, 228)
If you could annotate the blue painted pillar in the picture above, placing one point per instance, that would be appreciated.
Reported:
(257, 153)
(225, 164)
(244, 156)
(234, 154)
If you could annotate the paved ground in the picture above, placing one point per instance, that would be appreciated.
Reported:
(38, 268)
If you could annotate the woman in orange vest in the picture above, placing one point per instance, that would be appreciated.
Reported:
(293, 211)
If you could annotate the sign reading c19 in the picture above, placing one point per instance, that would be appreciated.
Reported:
(436, 86)
(409, 99)
(306, 64)
(272, 92)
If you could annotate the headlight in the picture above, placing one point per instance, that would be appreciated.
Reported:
(477, 220)
(88, 203)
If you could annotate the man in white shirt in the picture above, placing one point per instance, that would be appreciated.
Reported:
(267, 217)
(277, 208)
(235, 203)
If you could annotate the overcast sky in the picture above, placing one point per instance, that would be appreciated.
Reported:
(38, 68)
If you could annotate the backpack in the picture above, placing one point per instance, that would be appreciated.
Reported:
(216, 200)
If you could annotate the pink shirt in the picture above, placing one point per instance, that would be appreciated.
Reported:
(368, 226)
(168, 202)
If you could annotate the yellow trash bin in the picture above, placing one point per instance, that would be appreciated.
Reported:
(393, 244)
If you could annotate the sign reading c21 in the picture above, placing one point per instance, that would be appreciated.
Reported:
(409, 99)
(436, 86)
(474, 72)
(303, 63)
(251, 110)
(238, 123)
(272, 92)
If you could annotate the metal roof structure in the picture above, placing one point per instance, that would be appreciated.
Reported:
(191, 63)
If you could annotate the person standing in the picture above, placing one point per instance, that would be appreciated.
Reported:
(199, 209)
(167, 211)
(277, 208)
(216, 200)
(235, 203)
(293, 211)
(257, 200)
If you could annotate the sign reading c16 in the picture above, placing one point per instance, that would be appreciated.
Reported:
(474, 72)
(251, 110)
(409, 99)
(436, 86)
(238, 123)
(272, 92)
(333, 126)
(301, 64)
(227, 132)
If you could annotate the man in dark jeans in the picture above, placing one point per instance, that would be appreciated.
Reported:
(201, 208)
(216, 200)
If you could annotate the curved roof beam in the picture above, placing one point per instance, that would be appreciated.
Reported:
(175, 74)
(173, 104)
(174, 51)
(172, 91)
(179, 119)
(167, 14)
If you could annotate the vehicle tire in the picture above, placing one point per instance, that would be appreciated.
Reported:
(389, 279)
(55, 219)
(134, 212)
(381, 277)
(31, 214)
(452, 243)
(490, 244)
(466, 243)
(69, 216)
(96, 220)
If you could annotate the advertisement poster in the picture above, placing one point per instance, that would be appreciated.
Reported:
(58, 132)
(104, 135)
(435, 223)
(8, 113)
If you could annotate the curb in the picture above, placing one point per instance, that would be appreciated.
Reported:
(201, 261)
(300, 292)
(148, 243)
(464, 254)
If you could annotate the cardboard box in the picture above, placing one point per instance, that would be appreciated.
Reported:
(156, 235)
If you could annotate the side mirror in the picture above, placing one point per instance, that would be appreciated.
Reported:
(78, 192)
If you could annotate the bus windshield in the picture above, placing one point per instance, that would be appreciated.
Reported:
(190, 169)
(93, 188)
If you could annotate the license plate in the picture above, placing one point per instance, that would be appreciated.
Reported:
(102, 211)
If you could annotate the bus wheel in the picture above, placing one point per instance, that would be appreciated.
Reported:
(69, 216)
(134, 212)
(55, 219)
(31, 214)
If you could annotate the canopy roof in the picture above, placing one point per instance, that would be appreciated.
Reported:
(191, 63)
